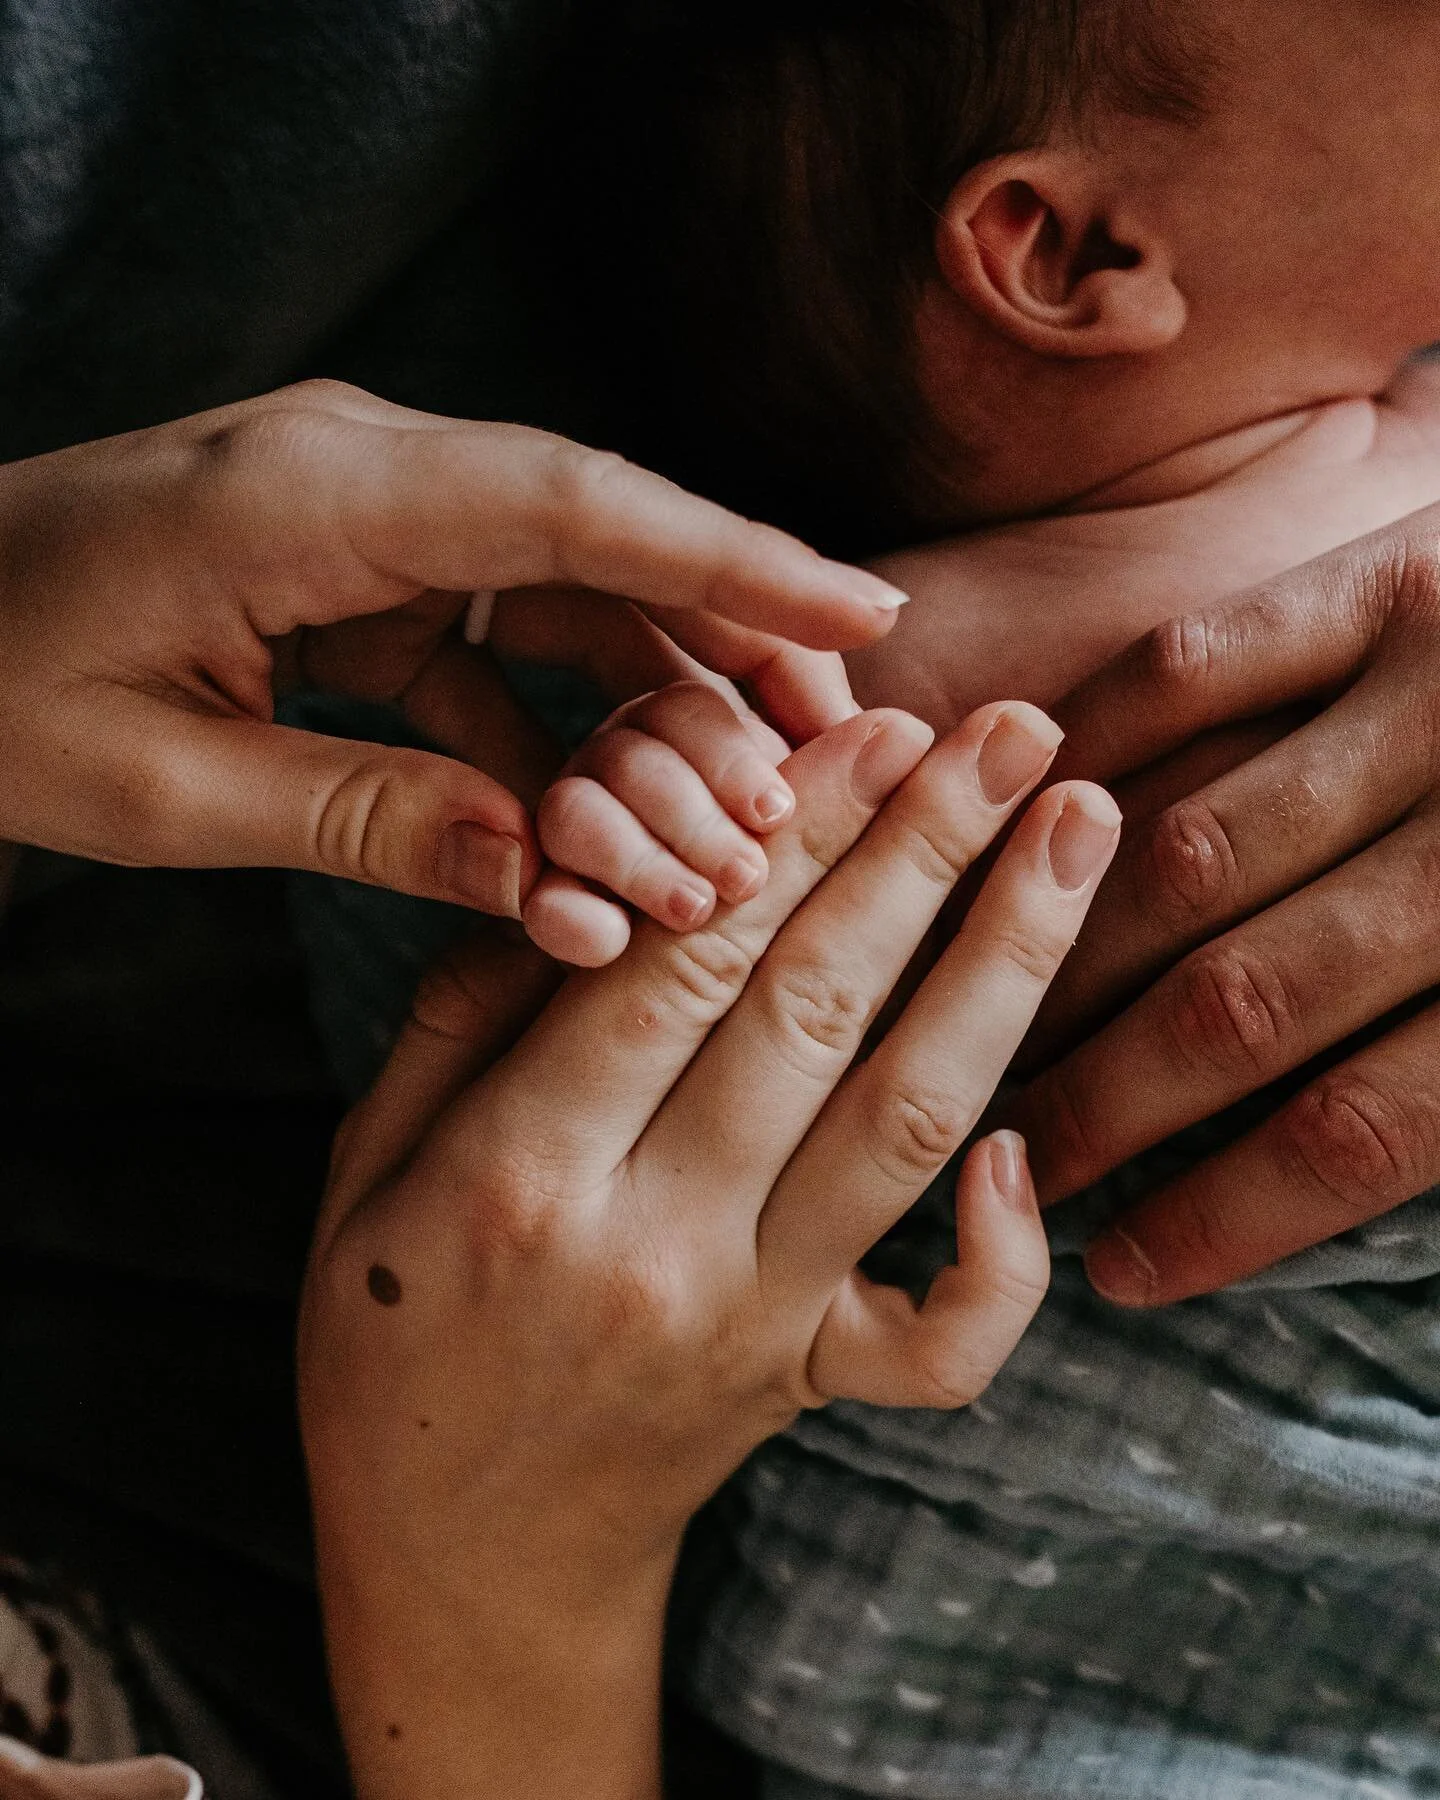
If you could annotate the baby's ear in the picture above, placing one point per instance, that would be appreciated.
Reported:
(1027, 243)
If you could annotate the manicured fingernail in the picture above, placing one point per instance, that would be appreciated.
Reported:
(1120, 1271)
(19, 1756)
(886, 757)
(482, 867)
(1020, 748)
(773, 805)
(1009, 1172)
(689, 903)
(870, 590)
(741, 878)
(1083, 838)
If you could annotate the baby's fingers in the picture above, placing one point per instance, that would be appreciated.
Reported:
(877, 1346)
(588, 830)
(733, 756)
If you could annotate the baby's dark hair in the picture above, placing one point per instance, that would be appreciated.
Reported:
(767, 205)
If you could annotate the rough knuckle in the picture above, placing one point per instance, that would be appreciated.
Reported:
(1360, 1145)
(708, 970)
(914, 1131)
(353, 829)
(1026, 949)
(1228, 1011)
(514, 1219)
(648, 1299)
(1186, 872)
(1178, 655)
(324, 391)
(941, 857)
(816, 1007)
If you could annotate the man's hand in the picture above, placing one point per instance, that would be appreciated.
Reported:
(151, 585)
(1278, 891)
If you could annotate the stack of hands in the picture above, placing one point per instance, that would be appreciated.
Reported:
(583, 1250)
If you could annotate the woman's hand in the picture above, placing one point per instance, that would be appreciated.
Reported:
(149, 586)
(553, 1305)
(1281, 896)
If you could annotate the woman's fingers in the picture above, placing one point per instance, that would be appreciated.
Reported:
(901, 1116)
(615, 1042)
(876, 1345)
(1357, 1143)
(24, 1775)
(819, 990)
(482, 506)
(189, 789)
(1241, 1012)
(467, 1012)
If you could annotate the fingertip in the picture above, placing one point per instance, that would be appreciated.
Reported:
(1121, 1272)
(574, 926)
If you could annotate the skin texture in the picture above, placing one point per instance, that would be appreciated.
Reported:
(608, 1298)
(154, 590)
(1128, 288)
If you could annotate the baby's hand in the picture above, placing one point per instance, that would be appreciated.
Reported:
(663, 808)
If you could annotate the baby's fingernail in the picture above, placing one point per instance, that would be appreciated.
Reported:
(1120, 1271)
(773, 805)
(741, 878)
(1009, 1171)
(1083, 838)
(690, 903)
(482, 867)
(1020, 748)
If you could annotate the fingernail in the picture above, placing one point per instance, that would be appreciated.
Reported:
(1083, 838)
(870, 590)
(689, 903)
(887, 756)
(773, 805)
(1008, 1171)
(1020, 748)
(19, 1756)
(482, 867)
(1120, 1271)
(741, 878)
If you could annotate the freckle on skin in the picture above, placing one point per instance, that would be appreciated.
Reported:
(383, 1285)
(394, 1734)
(424, 1424)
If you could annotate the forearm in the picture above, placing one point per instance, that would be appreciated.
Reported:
(518, 1674)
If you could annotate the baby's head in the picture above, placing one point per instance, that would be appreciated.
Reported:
(928, 262)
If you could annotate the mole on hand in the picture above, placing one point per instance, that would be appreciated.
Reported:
(383, 1285)
(394, 1734)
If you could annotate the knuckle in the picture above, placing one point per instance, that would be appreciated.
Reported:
(322, 391)
(583, 484)
(1229, 1010)
(914, 1131)
(1359, 1144)
(817, 1010)
(941, 856)
(567, 815)
(1179, 654)
(705, 972)
(1186, 873)
(1026, 949)
(352, 828)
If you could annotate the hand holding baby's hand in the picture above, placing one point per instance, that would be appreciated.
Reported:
(664, 808)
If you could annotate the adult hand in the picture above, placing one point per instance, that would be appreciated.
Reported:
(146, 583)
(552, 1306)
(1272, 899)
